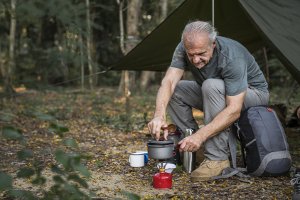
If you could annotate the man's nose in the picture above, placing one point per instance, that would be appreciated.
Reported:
(196, 59)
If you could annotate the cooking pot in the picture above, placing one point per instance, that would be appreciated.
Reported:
(160, 150)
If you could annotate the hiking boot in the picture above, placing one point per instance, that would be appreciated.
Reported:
(296, 182)
(208, 169)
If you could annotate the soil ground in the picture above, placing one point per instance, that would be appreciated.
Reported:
(100, 125)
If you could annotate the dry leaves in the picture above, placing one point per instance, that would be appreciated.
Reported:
(97, 121)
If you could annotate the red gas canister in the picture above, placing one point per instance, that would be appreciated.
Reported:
(162, 180)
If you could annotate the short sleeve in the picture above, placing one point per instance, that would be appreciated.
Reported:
(179, 59)
(235, 77)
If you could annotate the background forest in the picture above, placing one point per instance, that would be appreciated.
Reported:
(46, 43)
(69, 43)
(68, 122)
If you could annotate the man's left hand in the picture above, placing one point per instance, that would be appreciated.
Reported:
(191, 143)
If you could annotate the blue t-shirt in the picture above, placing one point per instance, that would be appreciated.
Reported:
(231, 62)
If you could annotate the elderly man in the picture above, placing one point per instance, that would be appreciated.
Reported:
(227, 80)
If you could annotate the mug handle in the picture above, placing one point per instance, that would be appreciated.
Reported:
(146, 158)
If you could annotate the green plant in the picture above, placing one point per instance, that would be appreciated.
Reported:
(69, 174)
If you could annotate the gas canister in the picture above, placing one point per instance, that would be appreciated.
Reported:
(162, 180)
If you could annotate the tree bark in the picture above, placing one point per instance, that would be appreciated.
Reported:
(8, 79)
(81, 62)
(164, 9)
(133, 13)
(88, 44)
(133, 17)
(145, 79)
(122, 45)
(121, 23)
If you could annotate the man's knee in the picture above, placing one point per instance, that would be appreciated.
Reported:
(178, 90)
(181, 88)
(210, 86)
(180, 85)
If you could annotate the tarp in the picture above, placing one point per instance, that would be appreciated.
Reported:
(255, 23)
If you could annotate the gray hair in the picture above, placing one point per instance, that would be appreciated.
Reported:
(200, 27)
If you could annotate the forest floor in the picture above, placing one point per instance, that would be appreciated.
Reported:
(106, 135)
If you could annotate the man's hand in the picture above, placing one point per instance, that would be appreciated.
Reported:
(191, 143)
(168, 84)
(156, 125)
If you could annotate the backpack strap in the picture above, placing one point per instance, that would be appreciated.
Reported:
(232, 171)
(237, 134)
(232, 147)
(229, 172)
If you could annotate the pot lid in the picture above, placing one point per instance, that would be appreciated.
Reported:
(161, 142)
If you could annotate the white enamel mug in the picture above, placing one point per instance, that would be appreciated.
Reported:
(145, 156)
(137, 159)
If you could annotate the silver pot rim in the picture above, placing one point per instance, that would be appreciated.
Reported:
(160, 142)
(160, 146)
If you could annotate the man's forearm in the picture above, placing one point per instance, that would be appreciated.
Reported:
(225, 118)
(219, 123)
(168, 84)
(162, 100)
(164, 94)
(222, 121)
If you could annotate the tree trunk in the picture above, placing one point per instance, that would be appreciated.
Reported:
(8, 77)
(145, 79)
(133, 10)
(3, 65)
(147, 76)
(122, 45)
(133, 13)
(121, 23)
(88, 44)
(133, 18)
(164, 9)
(81, 62)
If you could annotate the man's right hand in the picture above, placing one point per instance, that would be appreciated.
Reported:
(156, 125)
(168, 84)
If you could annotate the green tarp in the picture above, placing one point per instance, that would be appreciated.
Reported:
(255, 23)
